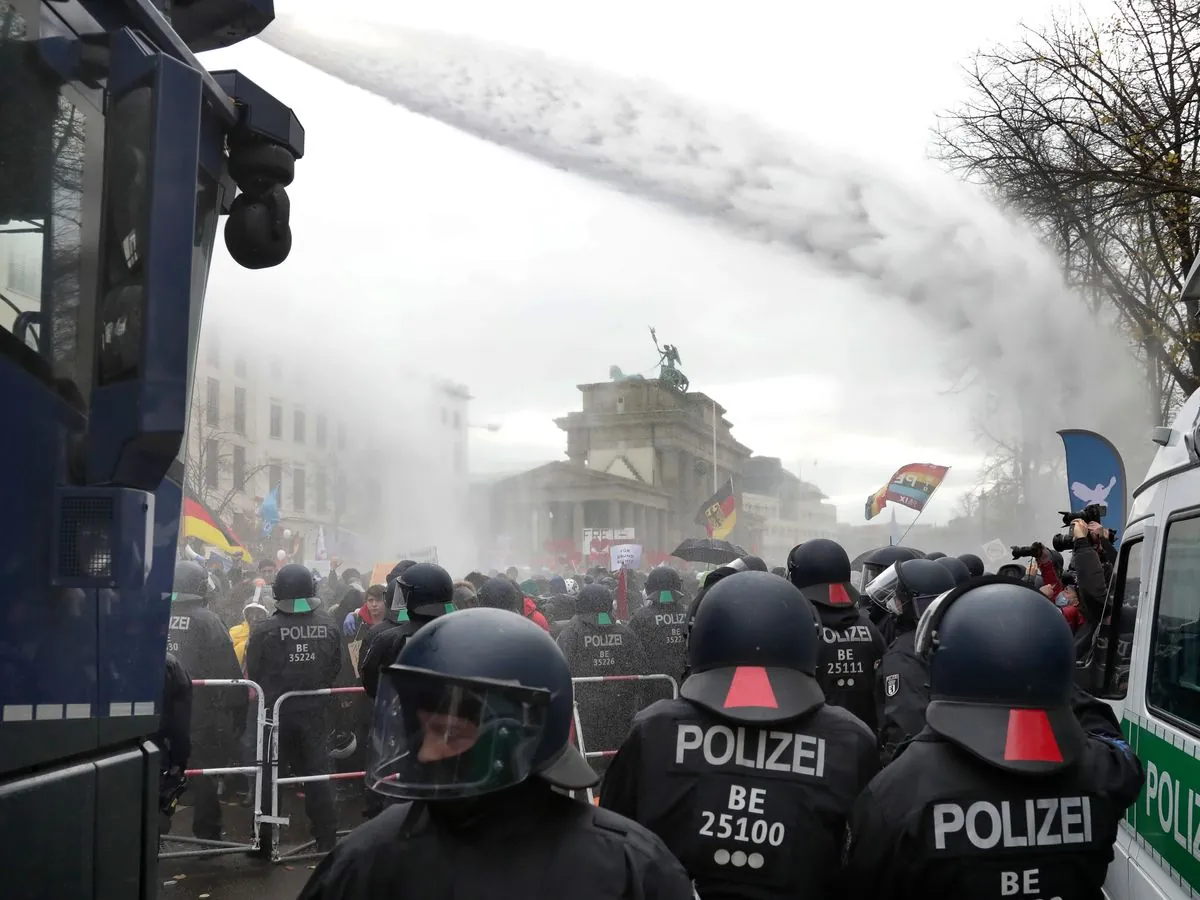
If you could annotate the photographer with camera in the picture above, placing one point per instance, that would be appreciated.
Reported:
(1091, 549)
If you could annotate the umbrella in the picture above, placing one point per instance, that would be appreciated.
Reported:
(706, 550)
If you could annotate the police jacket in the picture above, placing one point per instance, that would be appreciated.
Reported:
(661, 629)
(199, 640)
(539, 845)
(752, 813)
(294, 652)
(596, 645)
(381, 647)
(851, 650)
(903, 690)
(938, 822)
(174, 738)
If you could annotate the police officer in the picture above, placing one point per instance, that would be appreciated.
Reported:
(174, 739)
(905, 590)
(420, 593)
(199, 641)
(299, 648)
(472, 727)
(973, 563)
(1015, 787)
(872, 565)
(750, 777)
(956, 567)
(851, 647)
(596, 645)
(661, 623)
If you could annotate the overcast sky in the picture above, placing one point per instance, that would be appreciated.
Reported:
(416, 243)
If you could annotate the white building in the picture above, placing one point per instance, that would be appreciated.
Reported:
(792, 510)
(340, 464)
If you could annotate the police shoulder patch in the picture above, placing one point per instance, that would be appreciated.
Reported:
(891, 685)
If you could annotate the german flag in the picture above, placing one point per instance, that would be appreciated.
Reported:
(718, 514)
(200, 523)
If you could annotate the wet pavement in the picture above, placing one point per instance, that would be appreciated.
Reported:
(238, 875)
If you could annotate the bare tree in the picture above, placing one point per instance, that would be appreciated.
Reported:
(1090, 129)
(211, 445)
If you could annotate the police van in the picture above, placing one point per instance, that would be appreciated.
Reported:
(1146, 662)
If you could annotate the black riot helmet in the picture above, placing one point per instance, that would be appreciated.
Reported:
(973, 563)
(1001, 675)
(594, 600)
(935, 555)
(192, 582)
(295, 590)
(477, 702)
(821, 569)
(752, 651)
(883, 557)
(907, 587)
(423, 591)
(955, 567)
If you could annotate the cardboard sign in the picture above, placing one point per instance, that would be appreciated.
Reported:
(996, 552)
(625, 556)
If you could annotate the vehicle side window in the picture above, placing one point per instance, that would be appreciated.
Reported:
(1173, 686)
(1114, 643)
(43, 139)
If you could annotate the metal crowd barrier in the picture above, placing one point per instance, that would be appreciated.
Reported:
(597, 679)
(217, 848)
(274, 819)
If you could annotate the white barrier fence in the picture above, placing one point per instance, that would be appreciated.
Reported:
(274, 819)
(217, 848)
(601, 679)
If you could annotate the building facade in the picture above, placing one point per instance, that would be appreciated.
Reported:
(791, 510)
(640, 459)
(261, 422)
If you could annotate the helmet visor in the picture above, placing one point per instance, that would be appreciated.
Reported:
(881, 589)
(434, 737)
(923, 640)
(867, 574)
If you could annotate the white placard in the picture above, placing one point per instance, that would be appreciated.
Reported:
(625, 556)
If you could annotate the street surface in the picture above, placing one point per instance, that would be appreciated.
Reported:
(238, 876)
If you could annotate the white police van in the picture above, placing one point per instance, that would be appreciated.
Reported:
(1147, 664)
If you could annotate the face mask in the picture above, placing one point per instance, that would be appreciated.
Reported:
(1062, 599)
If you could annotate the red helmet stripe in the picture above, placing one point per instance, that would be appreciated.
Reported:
(1030, 737)
(751, 686)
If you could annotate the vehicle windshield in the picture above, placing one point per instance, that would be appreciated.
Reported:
(45, 135)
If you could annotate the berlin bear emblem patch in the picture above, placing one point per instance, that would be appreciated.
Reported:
(891, 685)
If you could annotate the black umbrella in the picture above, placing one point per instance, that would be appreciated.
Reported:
(706, 550)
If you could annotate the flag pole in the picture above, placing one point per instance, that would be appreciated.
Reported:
(714, 420)
(918, 515)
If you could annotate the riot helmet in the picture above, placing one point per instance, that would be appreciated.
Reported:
(955, 567)
(192, 582)
(879, 559)
(1012, 571)
(295, 591)
(752, 650)
(935, 555)
(477, 702)
(973, 563)
(905, 588)
(422, 590)
(662, 578)
(1001, 676)
(754, 563)
(499, 593)
(821, 570)
(595, 600)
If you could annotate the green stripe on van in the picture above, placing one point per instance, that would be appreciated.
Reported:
(1166, 816)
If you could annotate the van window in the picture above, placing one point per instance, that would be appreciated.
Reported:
(1173, 686)
(1115, 657)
